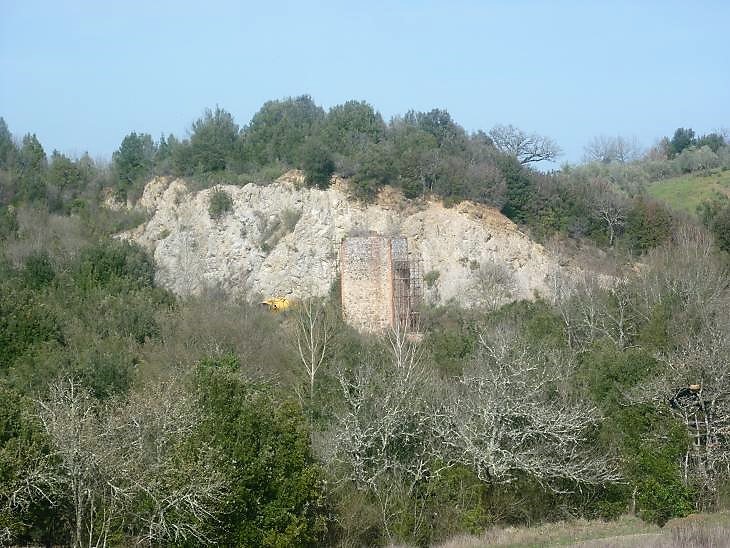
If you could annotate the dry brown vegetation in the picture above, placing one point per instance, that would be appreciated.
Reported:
(701, 531)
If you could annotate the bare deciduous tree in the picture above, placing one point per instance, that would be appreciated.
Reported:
(611, 208)
(509, 415)
(121, 463)
(493, 285)
(694, 382)
(688, 271)
(526, 147)
(591, 311)
(506, 416)
(144, 438)
(383, 440)
(612, 149)
(69, 419)
(694, 386)
(314, 330)
(37, 481)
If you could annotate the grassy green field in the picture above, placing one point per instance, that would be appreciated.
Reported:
(696, 531)
(685, 193)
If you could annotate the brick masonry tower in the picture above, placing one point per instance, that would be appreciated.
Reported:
(380, 283)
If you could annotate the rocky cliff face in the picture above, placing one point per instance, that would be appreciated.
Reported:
(283, 239)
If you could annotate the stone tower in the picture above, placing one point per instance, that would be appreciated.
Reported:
(380, 284)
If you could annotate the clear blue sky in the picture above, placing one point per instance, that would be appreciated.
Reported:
(81, 75)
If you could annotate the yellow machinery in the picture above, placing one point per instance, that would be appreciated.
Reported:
(278, 304)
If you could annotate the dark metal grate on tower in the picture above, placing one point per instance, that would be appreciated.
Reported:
(407, 291)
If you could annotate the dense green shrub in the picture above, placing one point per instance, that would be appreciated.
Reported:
(660, 501)
(457, 502)
(38, 270)
(317, 164)
(450, 337)
(715, 215)
(648, 225)
(276, 492)
(25, 320)
(351, 127)
(114, 262)
(520, 191)
(219, 204)
(32, 164)
(611, 373)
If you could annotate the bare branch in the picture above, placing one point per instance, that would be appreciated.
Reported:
(612, 149)
(122, 460)
(508, 415)
(606, 203)
(526, 147)
(314, 331)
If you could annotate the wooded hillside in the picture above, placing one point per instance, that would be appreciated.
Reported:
(131, 415)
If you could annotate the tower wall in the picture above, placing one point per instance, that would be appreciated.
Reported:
(366, 270)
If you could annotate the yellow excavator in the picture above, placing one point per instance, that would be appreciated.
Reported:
(278, 304)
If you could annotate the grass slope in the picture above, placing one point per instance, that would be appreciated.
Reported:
(699, 530)
(685, 193)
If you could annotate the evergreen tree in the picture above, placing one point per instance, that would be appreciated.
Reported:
(519, 192)
(276, 492)
(32, 165)
(133, 162)
(351, 127)
(683, 138)
(213, 141)
(317, 164)
(278, 131)
(8, 150)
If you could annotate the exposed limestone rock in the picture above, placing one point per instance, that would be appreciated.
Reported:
(283, 239)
